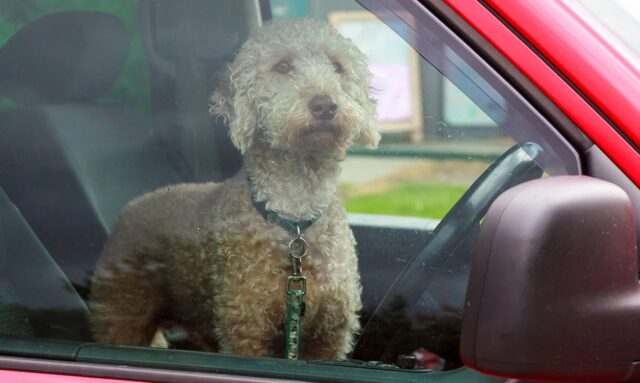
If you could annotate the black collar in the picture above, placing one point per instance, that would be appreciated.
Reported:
(287, 224)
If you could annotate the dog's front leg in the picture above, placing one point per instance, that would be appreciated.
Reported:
(246, 323)
(249, 298)
(334, 323)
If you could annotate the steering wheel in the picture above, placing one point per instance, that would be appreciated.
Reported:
(446, 259)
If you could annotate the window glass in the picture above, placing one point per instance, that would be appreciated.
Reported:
(115, 108)
(617, 20)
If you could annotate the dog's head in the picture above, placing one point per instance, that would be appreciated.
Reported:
(298, 85)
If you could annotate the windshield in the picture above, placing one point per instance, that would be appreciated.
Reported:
(617, 20)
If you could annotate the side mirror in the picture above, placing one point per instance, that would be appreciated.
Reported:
(553, 292)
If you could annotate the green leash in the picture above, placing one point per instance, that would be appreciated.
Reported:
(295, 311)
(296, 288)
(296, 283)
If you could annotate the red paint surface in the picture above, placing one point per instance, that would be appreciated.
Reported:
(34, 377)
(541, 21)
(582, 54)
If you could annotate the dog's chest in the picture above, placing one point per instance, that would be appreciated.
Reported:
(266, 264)
(241, 277)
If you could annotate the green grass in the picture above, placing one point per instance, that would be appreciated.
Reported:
(415, 200)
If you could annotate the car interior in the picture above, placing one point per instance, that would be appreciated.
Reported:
(70, 159)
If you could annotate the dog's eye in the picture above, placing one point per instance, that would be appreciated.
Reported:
(283, 67)
(337, 67)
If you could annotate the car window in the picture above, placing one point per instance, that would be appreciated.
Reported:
(289, 179)
(617, 18)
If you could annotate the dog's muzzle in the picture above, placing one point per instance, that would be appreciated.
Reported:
(323, 107)
(323, 131)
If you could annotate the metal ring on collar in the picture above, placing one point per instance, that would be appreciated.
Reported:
(298, 247)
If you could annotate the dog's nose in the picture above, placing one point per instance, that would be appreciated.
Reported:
(323, 107)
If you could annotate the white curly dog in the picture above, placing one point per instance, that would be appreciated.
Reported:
(296, 98)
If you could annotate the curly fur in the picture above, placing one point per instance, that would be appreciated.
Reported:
(200, 255)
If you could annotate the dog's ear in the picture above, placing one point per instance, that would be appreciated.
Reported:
(227, 103)
(368, 136)
(220, 102)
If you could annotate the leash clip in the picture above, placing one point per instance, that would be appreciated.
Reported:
(296, 279)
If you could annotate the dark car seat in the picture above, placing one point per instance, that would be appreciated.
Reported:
(188, 44)
(68, 161)
(36, 299)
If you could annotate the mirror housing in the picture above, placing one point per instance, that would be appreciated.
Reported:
(553, 292)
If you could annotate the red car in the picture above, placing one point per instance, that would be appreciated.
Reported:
(517, 120)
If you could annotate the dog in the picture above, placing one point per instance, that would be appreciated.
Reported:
(295, 98)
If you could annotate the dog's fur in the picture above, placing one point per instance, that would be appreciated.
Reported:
(202, 256)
